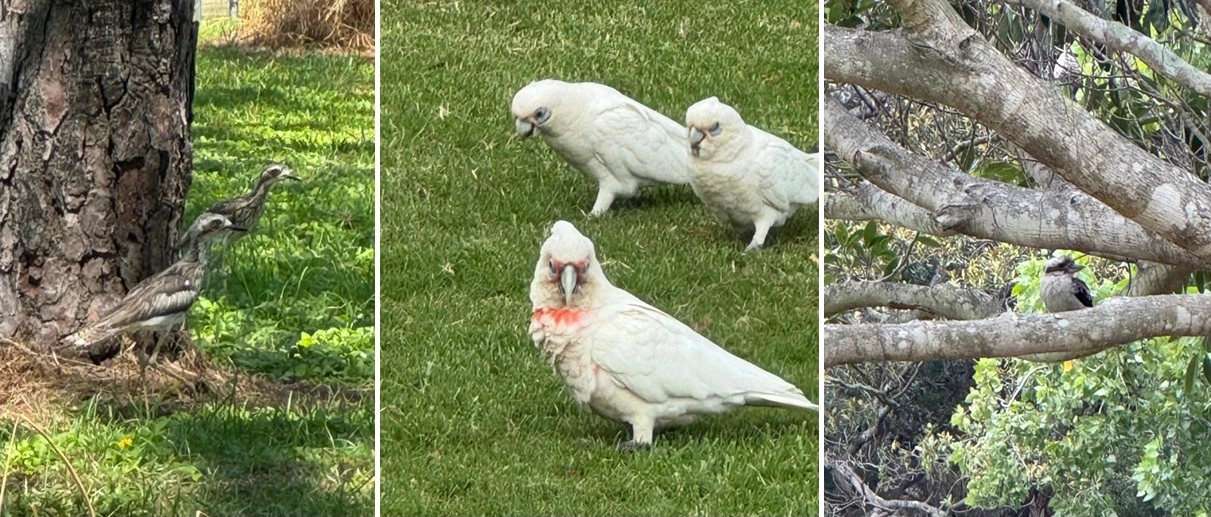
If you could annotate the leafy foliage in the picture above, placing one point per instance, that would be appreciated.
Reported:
(1117, 433)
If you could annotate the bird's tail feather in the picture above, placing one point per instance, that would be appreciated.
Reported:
(89, 335)
(787, 400)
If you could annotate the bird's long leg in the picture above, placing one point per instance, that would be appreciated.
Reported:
(641, 434)
(605, 198)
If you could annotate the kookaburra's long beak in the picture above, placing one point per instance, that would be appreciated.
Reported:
(1074, 267)
(526, 126)
(696, 138)
(569, 280)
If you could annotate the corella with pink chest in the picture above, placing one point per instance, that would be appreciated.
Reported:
(630, 362)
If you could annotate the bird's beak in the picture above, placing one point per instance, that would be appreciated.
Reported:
(525, 127)
(569, 280)
(235, 228)
(696, 138)
(1075, 267)
(291, 176)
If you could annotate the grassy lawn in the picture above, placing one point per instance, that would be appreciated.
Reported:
(473, 420)
(292, 317)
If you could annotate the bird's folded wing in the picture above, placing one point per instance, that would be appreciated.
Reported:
(648, 141)
(170, 291)
(1081, 290)
(657, 358)
(788, 175)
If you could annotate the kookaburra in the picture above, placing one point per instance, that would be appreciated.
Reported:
(1060, 289)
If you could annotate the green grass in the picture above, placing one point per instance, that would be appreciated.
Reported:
(473, 420)
(296, 304)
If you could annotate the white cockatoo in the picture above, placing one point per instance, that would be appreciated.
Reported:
(747, 177)
(628, 361)
(610, 137)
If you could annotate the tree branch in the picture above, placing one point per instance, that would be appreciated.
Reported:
(973, 77)
(868, 202)
(1116, 321)
(943, 300)
(1123, 39)
(991, 209)
(842, 470)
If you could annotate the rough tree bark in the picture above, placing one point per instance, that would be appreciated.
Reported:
(94, 154)
(938, 58)
(1118, 201)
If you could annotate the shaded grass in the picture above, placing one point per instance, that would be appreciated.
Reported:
(473, 421)
(293, 302)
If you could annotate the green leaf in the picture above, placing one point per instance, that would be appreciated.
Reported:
(1191, 371)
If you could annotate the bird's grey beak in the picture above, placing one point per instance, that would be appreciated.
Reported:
(1074, 267)
(569, 279)
(696, 138)
(525, 127)
(290, 176)
(235, 228)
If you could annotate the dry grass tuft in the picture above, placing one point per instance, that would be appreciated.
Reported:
(37, 387)
(334, 24)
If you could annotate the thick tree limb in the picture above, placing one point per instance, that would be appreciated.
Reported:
(989, 209)
(944, 300)
(1123, 39)
(1116, 321)
(868, 202)
(952, 65)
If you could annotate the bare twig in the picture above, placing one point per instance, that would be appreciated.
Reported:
(855, 482)
(8, 457)
(92, 512)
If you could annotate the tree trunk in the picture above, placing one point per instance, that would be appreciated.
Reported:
(94, 154)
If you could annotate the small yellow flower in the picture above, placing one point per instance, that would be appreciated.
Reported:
(125, 442)
(1067, 366)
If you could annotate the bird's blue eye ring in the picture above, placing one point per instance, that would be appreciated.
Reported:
(715, 129)
(541, 115)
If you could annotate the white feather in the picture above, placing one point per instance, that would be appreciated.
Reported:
(630, 362)
(612, 138)
(748, 177)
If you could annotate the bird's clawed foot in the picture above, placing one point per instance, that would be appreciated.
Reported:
(634, 446)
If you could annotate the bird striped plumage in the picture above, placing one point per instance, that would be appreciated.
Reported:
(161, 301)
(245, 211)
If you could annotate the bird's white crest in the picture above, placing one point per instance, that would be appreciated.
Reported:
(565, 247)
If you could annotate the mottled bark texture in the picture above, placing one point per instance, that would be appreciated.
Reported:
(1102, 193)
(94, 155)
(1114, 322)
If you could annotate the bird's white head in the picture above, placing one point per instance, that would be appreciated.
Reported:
(537, 105)
(567, 274)
(713, 126)
(210, 226)
(1061, 265)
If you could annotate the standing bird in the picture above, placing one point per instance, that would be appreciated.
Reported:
(608, 136)
(747, 177)
(626, 360)
(161, 301)
(1060, 289)
(245, 211)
